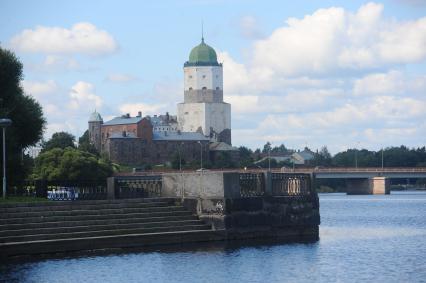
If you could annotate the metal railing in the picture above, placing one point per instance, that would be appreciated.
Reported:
(61, 189)
(290, 184)
(357, 170)
(252, 184)
(138, 186)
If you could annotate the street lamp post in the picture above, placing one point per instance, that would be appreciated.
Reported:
(269, 160)
(201, 150)
(356, 158)
(180, 157)
(4, 123)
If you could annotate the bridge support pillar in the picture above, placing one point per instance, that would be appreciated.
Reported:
(370, 186)
(380, 185)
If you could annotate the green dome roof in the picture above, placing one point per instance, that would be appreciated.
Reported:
(95, 117)
(202, 55)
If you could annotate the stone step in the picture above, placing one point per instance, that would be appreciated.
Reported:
(98, 233)
(79, 211)
(91, 217)
(109, 242)
(72, 229)
(81, 205)
(134, 220)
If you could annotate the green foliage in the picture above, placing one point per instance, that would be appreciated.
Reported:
(71, 164)
(85, 145)
(392, 157)
(322, 158)
(223, 160)
(59, 140)
(267, 147)
(25, 112)
(246, 157)
(178, 161)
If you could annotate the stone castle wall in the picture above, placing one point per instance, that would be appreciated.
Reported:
(136, 151)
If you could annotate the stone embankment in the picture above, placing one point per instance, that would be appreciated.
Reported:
(37, 228)
(172, 208)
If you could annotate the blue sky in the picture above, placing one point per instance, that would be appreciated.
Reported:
(339, 73)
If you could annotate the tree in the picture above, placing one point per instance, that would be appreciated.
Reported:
(280, 149)
(266, 147)
(246, 158)
(323, 157)
(59, 140)
(71, 164)
(178, 161)
(223, 160)
(25, 112)
(85, 145)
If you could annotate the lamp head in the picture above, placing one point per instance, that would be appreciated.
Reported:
(5, 122)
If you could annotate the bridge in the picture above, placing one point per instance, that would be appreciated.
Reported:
(360, 180)
(364, 180)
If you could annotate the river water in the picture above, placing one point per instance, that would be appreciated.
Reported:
(362, 238)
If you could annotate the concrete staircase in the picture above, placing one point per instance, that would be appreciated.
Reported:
(36, 228)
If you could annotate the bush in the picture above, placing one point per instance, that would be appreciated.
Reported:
(71, 164)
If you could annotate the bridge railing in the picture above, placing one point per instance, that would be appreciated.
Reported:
(60, 189)
(138, 186)
(280, 184)
(359, 169)
(252, 184)
(290, 184)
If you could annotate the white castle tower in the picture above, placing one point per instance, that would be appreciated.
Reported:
(203, 109)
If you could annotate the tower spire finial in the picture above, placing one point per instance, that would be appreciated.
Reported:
(202, 31)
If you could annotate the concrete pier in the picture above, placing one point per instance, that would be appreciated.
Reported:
(368, 186)
(279, 206)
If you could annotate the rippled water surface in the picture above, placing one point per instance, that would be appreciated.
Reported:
(362, 238)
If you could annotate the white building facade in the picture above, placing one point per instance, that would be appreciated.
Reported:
(203, 109)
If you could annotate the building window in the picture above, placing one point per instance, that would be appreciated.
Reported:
(204, 76)
(204, 88)
(190, 77)
(217, 88)
(190, 88)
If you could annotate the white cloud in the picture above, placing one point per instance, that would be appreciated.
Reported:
(390, 83)
(82, 97)
(334, 39)
(83, 37)
(120, 78)
(287, 102)
(394, 120)
(250, 27)
(146, 109)
(38, 89)
(55, 62)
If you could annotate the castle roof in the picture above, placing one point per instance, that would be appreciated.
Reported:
(179, 136)
(222, 146)
(123, 120)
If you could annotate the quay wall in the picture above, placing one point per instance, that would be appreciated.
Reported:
(218, 199)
